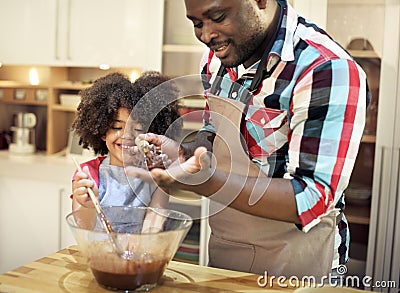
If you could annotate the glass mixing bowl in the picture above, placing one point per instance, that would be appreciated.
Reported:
(149, 237)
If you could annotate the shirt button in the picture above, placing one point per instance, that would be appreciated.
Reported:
(234, 95)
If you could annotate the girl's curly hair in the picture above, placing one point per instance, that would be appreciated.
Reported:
(100, 104)
(162, 97)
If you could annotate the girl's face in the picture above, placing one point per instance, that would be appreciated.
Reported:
(114, 135)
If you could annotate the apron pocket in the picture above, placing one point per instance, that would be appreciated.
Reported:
(230, 255)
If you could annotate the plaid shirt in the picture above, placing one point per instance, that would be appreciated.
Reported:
(307, 116)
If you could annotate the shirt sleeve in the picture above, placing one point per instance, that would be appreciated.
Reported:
(93, 165)
(327, 118)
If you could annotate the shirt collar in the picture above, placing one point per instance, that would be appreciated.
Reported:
(283, 47)
(285, 42)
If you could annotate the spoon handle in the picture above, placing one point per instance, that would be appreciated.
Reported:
(96, 203)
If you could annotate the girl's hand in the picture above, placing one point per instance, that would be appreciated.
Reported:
(83, 181)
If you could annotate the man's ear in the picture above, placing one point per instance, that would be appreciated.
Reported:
(262, 4)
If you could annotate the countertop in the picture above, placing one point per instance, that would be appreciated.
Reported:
(37, 166)
(66, 271)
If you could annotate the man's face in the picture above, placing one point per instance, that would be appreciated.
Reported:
(233, 29)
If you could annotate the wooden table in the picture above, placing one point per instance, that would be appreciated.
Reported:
(66, 271)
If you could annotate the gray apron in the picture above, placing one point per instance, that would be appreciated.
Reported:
(248, 243)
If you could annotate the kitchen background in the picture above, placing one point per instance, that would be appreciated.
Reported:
(51, 49)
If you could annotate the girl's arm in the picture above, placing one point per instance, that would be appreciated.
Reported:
(81, 200)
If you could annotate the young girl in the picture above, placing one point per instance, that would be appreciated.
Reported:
(100, 123)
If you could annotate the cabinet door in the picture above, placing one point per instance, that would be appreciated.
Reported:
(29, 221)
(28, 31)
(66, 236)
(122, 33)
(182, 51)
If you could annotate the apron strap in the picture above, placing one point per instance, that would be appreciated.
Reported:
(216, 86)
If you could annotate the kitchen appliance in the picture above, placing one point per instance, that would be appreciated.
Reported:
(5, 136)
(23, 134)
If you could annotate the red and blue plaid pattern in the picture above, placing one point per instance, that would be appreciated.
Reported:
(308, 115)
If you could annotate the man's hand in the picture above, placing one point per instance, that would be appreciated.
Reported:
(181, 174)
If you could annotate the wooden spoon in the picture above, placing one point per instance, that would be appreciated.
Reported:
(106, 224)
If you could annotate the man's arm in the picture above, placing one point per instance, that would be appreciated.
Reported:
(275, 195)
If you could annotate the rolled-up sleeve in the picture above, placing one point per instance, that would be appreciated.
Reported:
(327, 118)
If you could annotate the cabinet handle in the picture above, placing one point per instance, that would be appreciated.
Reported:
(204, 231)
(398, 168)
(61, 193)
(69, 30)
(395, 269)
(56, 56)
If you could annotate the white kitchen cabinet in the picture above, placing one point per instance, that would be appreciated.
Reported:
(66, 237)
(32, 219)
(29, 218)
(82, 33)
(182, 51)
(28, 31)
(123, 33)
(34, 200)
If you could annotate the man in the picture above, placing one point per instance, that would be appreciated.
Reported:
(299, 101)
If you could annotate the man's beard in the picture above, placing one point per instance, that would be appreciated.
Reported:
(244, 51)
